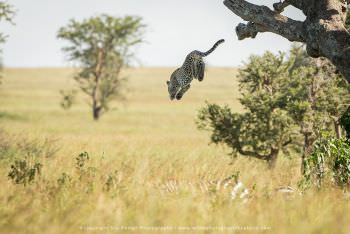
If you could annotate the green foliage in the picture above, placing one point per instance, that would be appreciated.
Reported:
(81, 160)
(27, 154)
(345, 119)
(25, 171)
(345, 122)
(315, 96)
(86, 174)
(6, 14)
(102, 47)
(264, 129)
(287, 102)
(68, 98)
(329, 162)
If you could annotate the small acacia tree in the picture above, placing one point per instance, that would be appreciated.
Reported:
(288, 102)
(265, 129)
(102, 48)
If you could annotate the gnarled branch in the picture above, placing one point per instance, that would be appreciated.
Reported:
(262, 19)
(323, 31)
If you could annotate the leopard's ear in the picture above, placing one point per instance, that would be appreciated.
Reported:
(167, 82)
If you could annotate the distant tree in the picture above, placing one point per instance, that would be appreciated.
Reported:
(264, 129)
(287, 103)
(6, 14)
(102, 48)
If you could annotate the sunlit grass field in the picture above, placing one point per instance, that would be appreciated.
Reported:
(142, 142)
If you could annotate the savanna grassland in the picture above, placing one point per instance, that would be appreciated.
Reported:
(141, 143)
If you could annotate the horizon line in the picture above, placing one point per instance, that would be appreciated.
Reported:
(72, 67)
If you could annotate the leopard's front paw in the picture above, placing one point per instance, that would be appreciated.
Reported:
(178, 96)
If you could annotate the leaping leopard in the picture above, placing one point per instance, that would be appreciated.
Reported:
(193, 67)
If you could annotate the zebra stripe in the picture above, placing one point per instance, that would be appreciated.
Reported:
(234, 190)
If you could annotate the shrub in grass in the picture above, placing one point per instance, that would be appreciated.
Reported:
(329, 163)
(24, 171)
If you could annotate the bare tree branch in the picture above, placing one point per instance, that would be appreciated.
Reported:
(264, 20)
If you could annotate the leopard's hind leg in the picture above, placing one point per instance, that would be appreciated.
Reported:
(201, 69)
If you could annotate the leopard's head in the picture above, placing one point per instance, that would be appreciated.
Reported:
(172, 90)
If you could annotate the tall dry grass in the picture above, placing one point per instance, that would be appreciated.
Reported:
(144, 142)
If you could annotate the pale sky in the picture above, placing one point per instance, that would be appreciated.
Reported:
(175, 27)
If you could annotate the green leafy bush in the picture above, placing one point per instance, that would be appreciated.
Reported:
(345, 122)
(265, 129)
(329, 162)
(23, 156)
(24, 171)
(287, 102)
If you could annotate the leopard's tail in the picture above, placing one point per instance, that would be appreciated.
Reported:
(203, 54)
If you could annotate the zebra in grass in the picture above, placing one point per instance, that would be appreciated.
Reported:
(230, 188)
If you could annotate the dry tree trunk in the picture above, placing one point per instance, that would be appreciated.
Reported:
(272, 160)
(337, 128)
(323, 31)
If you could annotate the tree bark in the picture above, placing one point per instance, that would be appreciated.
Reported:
(96, 108)
(323, 30)
(96, 112)
(272, 160)
(308, 142)
(337, 129)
